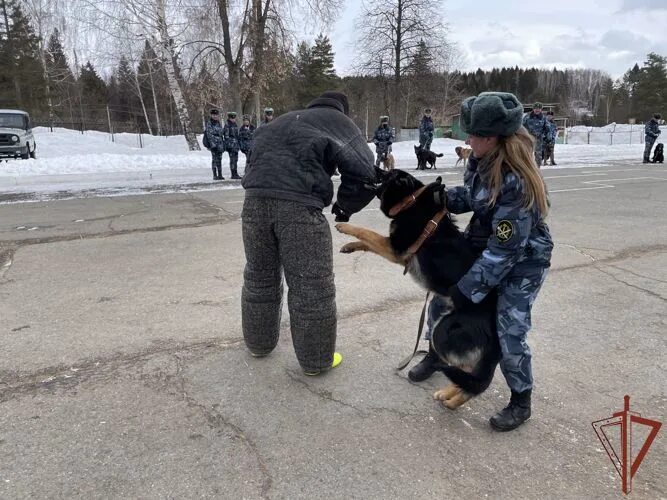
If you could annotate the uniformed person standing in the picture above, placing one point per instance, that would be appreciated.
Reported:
(536, 125)
(215, 143)
(231, 135)
(652, 131)
(383, 138)
(508, 198)
(246, 133)
(426, 130)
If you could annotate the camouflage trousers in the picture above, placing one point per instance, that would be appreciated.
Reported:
(516, 294)
(216, 159)
(649, 141)
(425, 143)
(285, 236)
(537, 151)
(548, 153)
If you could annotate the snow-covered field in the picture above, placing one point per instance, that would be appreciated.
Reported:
(70, 161)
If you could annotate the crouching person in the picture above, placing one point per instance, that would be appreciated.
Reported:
(288, 183)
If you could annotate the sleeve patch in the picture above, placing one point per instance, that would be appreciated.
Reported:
(504, 231)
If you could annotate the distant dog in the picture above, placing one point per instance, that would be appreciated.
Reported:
(388, 162)
(659, 154)
(425, 157)
(463, 154)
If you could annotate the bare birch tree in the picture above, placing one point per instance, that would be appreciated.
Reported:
(158, 22)
(391, 33)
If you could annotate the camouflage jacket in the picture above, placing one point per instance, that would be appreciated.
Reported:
(231, 135)
(516, 235)
(425, 128)
(536, 125)
(652, 129)
(214, 134)
(552, 132)
(383, 135)
(245, 137)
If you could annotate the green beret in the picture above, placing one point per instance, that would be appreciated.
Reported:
(491, 114)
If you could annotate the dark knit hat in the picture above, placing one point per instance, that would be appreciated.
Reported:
(338, 96)
(657, 116)
(491, 114)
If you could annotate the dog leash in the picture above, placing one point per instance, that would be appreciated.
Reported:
(407, 360)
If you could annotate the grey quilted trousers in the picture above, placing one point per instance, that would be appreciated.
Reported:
(285, 236)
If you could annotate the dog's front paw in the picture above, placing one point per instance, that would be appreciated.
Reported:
(343, 227)
(349, 248)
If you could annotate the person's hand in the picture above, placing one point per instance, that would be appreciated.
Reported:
(340, 213)
(438, 191)
(459, 300)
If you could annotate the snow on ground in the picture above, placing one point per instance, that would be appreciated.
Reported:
(69, 161)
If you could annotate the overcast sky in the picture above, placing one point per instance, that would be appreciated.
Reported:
(610, 35)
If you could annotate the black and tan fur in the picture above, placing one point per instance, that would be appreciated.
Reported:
(465, 341)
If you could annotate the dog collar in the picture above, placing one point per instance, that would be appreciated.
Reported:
(406, 202)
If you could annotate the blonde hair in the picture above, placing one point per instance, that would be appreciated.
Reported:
(514, 153)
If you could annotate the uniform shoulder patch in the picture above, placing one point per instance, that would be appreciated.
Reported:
(504, 231)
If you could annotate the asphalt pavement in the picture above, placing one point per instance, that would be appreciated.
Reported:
(123, 372)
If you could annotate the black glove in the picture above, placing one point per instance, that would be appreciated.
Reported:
(340, 213)
(460, 301)
(439, 192)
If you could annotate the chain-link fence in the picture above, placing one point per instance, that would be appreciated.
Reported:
(610, 135)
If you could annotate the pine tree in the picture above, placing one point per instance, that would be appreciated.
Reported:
(61, 79)
(93, 97)
(21, 71)
(650, 93)
(422, 62)
(314, 67)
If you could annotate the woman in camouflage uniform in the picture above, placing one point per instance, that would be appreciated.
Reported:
(506, 193)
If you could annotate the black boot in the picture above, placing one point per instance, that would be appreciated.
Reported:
(514, 414)
(220, 177)
(425, 368)
(215, 174)
(235, 174)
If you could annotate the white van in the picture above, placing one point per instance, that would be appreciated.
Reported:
(16, 139)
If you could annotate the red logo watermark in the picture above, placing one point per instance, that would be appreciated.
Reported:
(624, 464)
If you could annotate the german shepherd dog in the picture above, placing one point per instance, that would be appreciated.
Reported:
(436, 254)
(658, 154)
(463, 154)
(424, 157)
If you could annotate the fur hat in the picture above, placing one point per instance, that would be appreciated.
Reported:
(491, 114)
(537, 105)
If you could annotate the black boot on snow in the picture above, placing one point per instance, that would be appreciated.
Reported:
(425, 368)
(235, 174)
(514, 414)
